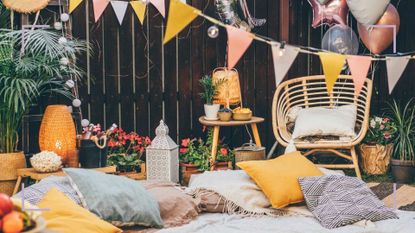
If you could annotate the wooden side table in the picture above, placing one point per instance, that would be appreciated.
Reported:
(37, 176)
(216, 128)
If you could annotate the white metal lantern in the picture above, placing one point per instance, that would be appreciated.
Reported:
(162, 157)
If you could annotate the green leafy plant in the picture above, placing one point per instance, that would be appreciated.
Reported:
(210, 88)
(404, 117)
(195, 152)
(30, 67)
(382, 130)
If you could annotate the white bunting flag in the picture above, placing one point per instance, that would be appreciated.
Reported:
(395, 67)
(283, 59)
(120, 7)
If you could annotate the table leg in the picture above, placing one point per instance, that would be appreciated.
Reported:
(215, 142)
(256, 134)
(18, 183)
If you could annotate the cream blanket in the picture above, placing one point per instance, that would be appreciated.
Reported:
(240, 194)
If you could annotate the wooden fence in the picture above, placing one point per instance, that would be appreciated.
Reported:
(134, 81)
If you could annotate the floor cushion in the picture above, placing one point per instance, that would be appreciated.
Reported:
(278, 178)
(65, 216)
(342, 200)
(116, 199)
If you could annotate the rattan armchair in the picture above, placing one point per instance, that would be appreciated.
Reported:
(310, 91)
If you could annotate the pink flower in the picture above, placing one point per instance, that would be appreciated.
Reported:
(387, 135)
(147, 141)
(382, 126)
(183, 150)
(185, 142)
(386, 120)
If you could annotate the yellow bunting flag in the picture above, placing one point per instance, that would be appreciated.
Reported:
(73, 4)
(139, 9)
(332, 66)
(180, 15)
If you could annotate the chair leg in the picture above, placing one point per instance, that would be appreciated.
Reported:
(355, 162)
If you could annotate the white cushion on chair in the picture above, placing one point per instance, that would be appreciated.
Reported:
(321, 121)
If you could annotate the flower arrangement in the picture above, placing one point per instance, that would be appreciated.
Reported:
(126, 149)
(381, 131)
(195, 152)
(224, 154)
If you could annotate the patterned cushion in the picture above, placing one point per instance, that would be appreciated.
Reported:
(341, 200)
(34, 193)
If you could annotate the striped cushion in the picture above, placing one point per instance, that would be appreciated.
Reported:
(342, 200)
(34, 193)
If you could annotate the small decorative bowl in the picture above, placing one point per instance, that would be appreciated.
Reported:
(46, 161)
(225, 116)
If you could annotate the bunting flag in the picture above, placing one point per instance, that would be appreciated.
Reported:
(120, 7)
(283, 59)
(332, 66)
(395, 67)
(159, 5)
(73, 4)
(99, 8)
(139, 9)
(359, 67)
(180, 15)
(238, 42)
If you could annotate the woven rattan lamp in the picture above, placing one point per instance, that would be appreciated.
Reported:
(230, 92)
(25, 6)
(57, 133)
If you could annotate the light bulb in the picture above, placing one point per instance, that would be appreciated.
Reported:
(281, 53)
(57, 25)
(70, 83)
(144, 1)
(64, 17)
(213, 31)
(85, 123)
(64, 61)
(62, 40)
(76, 103)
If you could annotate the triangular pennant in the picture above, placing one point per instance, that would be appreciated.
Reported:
(332, 66)
(159, 5)
(99, 7)
(238, 42)
(359, 67)
(139, 9)
(180, 15)
(120, 7)
(283, 59)
(73, 4)
(395, 67)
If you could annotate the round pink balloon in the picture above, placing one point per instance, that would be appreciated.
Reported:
(331, 13)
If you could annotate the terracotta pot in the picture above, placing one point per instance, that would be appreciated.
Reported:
(222, 166)
(186, 171)
(403, 171)
(375, 158)
(9, 163)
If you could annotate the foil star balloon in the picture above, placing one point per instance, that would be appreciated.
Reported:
(330, 13)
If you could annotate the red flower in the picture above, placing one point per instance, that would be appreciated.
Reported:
(147, 141)
(386, 120)
(183, 150)
(185, 142)
(224, 151)
(111, 143)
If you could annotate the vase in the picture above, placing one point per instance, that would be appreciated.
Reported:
(90, 156)
(211, 111)
(375, 158)
(403, 171)
(186, 171)
(9, 163)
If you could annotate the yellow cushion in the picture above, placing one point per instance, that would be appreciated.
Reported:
(66, 216)
(278, 178)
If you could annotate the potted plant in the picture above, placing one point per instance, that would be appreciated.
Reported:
(194, 158)
(210, 89)
(29, 68)
(403, 154)
(224, 158)
(377, 146)
(126, 150)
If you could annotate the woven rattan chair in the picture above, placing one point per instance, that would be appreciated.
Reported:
(311, 91)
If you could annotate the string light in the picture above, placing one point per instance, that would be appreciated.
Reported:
(64, 17)
(282, 49)
(213, 31)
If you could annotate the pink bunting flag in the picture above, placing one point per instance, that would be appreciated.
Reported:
(238, 42)
(120, 7)
(99, 8)
(395, 67)
(359, 67)
(160, 6)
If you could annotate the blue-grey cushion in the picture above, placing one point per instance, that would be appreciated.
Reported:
(34, 193)
(116, 199)
(342, 200)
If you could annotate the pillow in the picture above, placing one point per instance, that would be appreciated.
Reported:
(66, 216)
(176, 207)
(278, 178)
(116, 199)
(341, 200)
(34, 193)
(320, 121)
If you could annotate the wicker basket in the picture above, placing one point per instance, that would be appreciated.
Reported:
(248, 152)
(9, 163)
(230, 92)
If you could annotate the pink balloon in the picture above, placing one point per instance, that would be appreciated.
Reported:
(330, 13)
